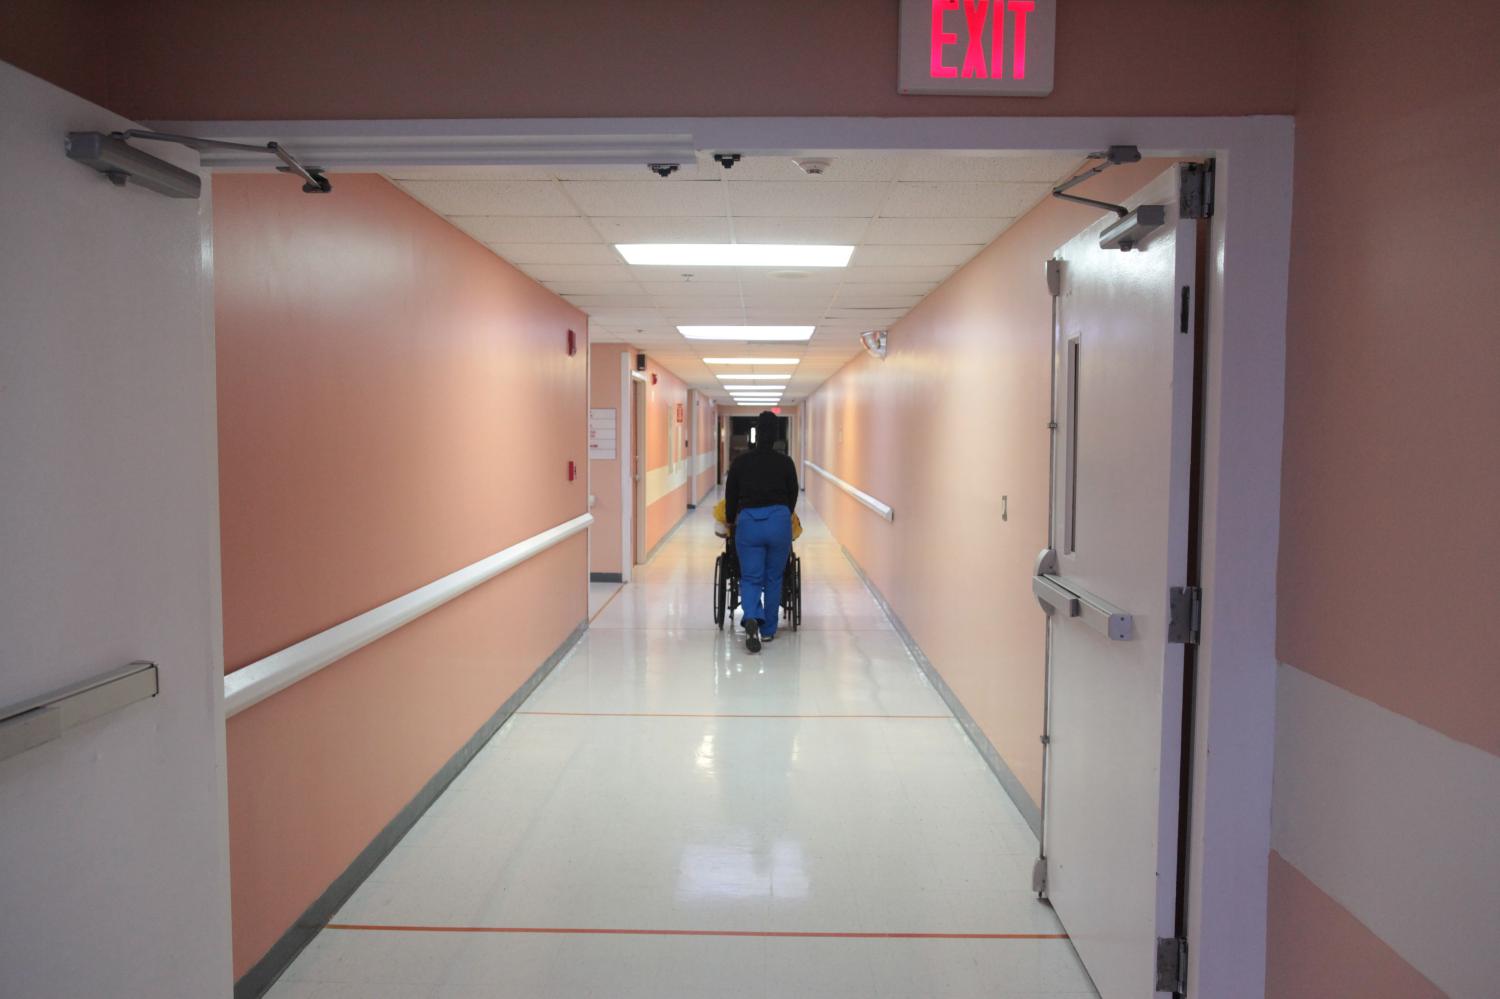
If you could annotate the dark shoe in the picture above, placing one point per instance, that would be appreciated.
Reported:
(752, 636)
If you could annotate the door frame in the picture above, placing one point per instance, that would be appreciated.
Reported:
(625, 445)
(639, 403)
(1244, 382)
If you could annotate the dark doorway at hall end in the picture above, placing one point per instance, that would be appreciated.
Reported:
(742, 435)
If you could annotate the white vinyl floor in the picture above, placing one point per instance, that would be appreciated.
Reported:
(668, 816)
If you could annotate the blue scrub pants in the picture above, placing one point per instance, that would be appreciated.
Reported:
(763, 541)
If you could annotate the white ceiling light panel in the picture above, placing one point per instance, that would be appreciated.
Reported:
(735, 254)
(748, 333)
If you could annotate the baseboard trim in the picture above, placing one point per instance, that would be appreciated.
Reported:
(606, 577)
(258, 980)
(1003, 773)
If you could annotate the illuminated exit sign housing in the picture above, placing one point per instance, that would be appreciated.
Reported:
(995, 48)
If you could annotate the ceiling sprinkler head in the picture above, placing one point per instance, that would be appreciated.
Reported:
(814, 167)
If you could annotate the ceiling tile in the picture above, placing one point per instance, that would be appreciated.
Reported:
(469, 173)
(919, 288)
(784, 168)
(881, 275)
(566, 288)
(579, 272)
(646, 198)
(689, 288)
(874, 300)
(1010, 167)
(662, 230)
(633, 172)
(840, 232)
(919, 254)
(805, 199)
(557, 253)
(610, 301)
(969, 200)
(677, 300)
(490, 197)
(963, 230)
(526, 230)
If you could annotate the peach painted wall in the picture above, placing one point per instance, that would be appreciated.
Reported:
(606, 551)
(1320, 950)
(666, 466)
(954, 418)
(182, 59)
(1390, 483)
(705, 446)
(395, 402)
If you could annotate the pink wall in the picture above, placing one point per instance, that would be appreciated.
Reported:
(939, 431)
(665, 475)
(1393, 366)
(181, 59)
(606, 551)
(1390, 483)
(705, 445)
(395, 402)
(1319, 950)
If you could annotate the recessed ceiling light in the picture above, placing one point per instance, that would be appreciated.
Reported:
(731, 376)
(766, 361)
(735, 254)
(780, 333)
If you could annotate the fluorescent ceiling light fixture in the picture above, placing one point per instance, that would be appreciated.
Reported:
(769, 362)
(728, 376)
(735, 254)
(779, 333)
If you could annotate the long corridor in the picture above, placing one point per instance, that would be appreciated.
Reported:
(669, 816)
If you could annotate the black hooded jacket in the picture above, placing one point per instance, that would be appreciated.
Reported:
(761, 476)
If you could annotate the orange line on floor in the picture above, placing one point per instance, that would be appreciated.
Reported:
(794, 934)
(707, 714)
(618, 591)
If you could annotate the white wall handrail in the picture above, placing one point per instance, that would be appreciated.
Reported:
(259, 680)
(863, 497)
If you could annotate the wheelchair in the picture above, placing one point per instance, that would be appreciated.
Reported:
(727, 587)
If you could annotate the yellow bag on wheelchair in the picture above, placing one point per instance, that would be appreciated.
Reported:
(720, 515)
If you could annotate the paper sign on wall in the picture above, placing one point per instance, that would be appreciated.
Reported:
(996, 48)
(603, 434)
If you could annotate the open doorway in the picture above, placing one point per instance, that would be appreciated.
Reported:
(821, 443)
(742, 436)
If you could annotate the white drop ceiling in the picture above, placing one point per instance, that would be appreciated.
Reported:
(913, 220)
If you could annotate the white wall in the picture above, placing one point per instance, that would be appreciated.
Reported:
(114, 875)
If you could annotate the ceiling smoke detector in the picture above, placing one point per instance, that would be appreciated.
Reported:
(814, 167)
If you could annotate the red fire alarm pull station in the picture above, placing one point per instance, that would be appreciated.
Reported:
(572, 471)
(653, 378)
(572, 343)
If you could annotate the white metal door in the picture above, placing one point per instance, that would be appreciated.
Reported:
(114, 870)
(1124, 391)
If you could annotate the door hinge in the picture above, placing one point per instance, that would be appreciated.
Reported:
(1054, 277)
(1039, 876)
(1171, 964)
(1184, 614)
(1196, 199)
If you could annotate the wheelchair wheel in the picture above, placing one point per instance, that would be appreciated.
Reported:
(721, 591)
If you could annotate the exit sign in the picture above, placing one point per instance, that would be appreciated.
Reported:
(999, 48)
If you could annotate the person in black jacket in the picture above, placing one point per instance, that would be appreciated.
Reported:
(759, 496)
